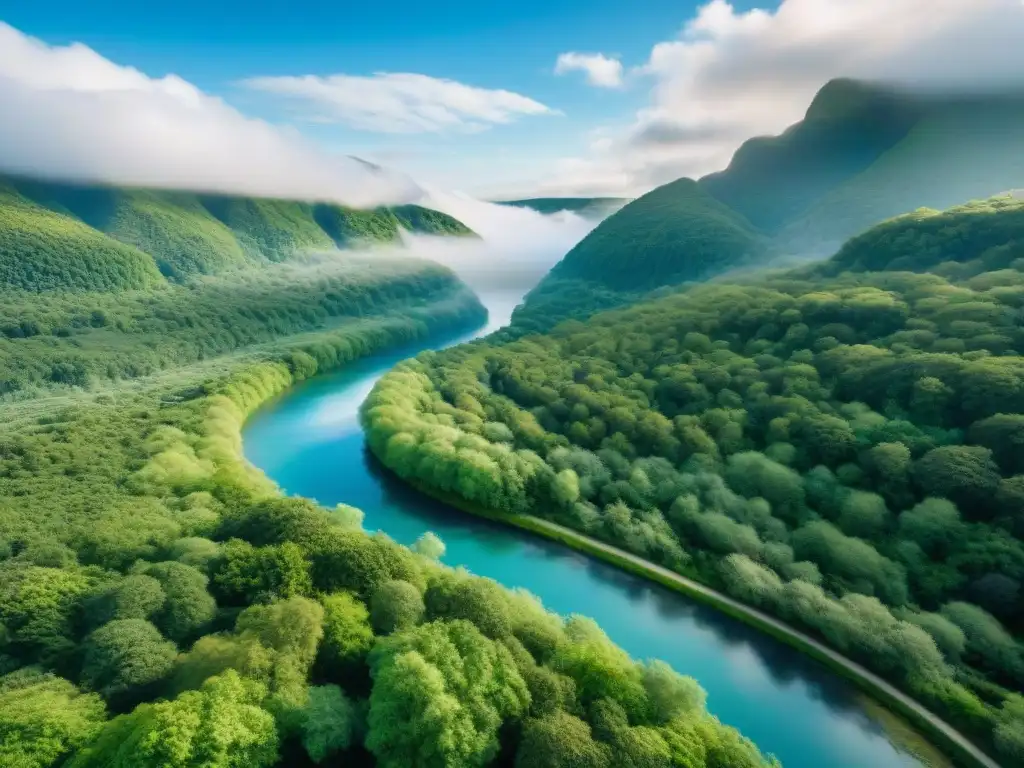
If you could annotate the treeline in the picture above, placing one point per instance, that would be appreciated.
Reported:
(161, 605)
(843, 450)
(56, 235)
(982, 236)
(92, 339)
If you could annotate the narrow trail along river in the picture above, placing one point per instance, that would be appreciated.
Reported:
(310, 443)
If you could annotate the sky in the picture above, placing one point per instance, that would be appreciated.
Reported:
(497, 100)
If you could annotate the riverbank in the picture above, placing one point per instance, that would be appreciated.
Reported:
(958, 746)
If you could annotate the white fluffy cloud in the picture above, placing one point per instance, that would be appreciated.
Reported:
(395, 102)
(70, 113)
(731, 75)
(602, 71)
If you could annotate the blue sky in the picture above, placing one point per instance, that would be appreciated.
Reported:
(513, 46)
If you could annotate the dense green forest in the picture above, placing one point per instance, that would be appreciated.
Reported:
(89, 338)
(863, 153)
(588, 207)
(839, 444)
(162, 606)
(56, 235)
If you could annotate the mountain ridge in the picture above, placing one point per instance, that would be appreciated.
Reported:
(863, 153)
(111, 237)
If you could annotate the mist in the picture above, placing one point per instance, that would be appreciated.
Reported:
(515, 249)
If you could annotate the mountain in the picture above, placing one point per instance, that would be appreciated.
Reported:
(674, 233)
(92, 237)
(847, 127)
(588, 207)
(960, 149)
(863, 153)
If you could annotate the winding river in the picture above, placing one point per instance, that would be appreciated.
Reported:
(309, 442)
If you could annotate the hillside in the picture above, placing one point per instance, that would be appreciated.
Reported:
(982, 236)
(42, 249)
(862, 154)
(127, 238)
(847, 127)
(588, 207)
(960, 150)
(672, 234)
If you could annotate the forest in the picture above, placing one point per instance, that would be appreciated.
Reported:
(64, 236)
(163, 606)
(839, 444)
(92, 338)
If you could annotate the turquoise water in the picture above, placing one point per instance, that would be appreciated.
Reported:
(310, 443)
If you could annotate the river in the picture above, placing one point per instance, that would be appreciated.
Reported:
(310, 443)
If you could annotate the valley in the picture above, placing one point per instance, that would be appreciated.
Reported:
(678, 469)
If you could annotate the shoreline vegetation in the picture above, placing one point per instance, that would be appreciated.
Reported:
(963, 750)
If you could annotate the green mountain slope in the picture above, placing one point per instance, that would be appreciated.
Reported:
(176, 234)
(982, 236)
(960, 150)
(42, 249)
(588, 207)
(674, 233)
(269, 229)
(862, 154)
(847, 127)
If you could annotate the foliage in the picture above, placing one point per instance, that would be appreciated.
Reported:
(982, 236)
(125, 658)
(246, 574)
(219, 726)
(56, 235)
(43, 718)
(43, 250)
(560, 741)
(348, 636)
(441, 691)
(187, 606)
(675, 233)
(395, 605)
(327, 722)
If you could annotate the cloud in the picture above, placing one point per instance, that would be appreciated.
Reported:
(518, 246)
(601, 70)
(731, 75)
(396, 102)
(70, 113)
